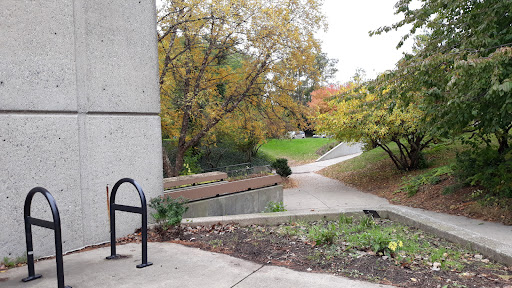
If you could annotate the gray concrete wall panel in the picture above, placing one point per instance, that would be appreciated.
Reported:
(253, 201)
(42, 151)
(79, 104)
(117, 57)
(37, 55)
(119, 147)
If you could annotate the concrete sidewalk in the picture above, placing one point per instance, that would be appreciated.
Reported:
(173, 266)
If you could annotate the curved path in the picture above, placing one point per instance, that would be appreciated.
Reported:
(315, 191)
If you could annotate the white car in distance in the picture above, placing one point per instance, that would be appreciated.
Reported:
(296, 135)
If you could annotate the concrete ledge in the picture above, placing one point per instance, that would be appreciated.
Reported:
(494, 250)
(342, 149)
(253, 201)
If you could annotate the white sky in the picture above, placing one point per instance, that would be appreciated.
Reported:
(347, 38)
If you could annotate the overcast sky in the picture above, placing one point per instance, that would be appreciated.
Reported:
(348, 41)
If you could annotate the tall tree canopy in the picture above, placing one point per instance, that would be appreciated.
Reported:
(461, 65)
(218, 57)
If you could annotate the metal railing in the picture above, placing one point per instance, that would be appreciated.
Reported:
(242, 169)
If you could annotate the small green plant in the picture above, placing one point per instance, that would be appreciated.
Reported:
(169, 211)
(367, 222)
(282, 168)
(379, 241)
(274, 207)
(323, 235)
(11, 263)
(216, 243)
(345, 220)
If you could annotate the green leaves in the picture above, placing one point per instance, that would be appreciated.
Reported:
(169, 211)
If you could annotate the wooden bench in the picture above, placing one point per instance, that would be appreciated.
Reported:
(219, 189)
(194, 179)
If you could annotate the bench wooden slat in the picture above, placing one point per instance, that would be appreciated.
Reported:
(208, 191)
(194, 179)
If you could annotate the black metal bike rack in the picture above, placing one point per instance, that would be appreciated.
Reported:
(139, 210)
(55, 226)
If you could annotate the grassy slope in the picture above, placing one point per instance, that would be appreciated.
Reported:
(294, 149)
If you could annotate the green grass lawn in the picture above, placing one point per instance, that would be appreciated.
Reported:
(294, 149)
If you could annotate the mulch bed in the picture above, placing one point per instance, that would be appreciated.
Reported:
(261, 244)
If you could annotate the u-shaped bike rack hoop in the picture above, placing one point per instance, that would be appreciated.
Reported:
(55, 226)
(139, 210)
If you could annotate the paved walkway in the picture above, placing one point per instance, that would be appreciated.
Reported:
(179, 266)
(174, 266)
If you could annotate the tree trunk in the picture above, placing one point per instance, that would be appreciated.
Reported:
(168, 170)
(503, 141)
(180, 160)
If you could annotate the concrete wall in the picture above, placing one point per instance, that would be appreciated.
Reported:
(79, 106)
(342, 149)
(253, 201)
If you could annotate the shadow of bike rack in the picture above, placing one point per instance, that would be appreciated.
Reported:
(139, 210)
(55, 226)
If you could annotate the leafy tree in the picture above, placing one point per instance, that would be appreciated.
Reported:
(320, 98)
(324, 70)
(462, 65)
(218, 56)
(379, 120)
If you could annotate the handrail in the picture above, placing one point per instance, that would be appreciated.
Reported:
(139, 210)
(55, 225)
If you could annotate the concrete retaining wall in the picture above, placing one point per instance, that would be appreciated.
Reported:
(253, 201)
(79, 106)
(342, 149)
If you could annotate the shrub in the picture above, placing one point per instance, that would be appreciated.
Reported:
(488, 168)
(191, 163)
(274, 207)
(169, 211)
(282, 168)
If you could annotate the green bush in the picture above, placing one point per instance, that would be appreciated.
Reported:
(488, 168)
(169, 211)
(274, 207)
(282, 168)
